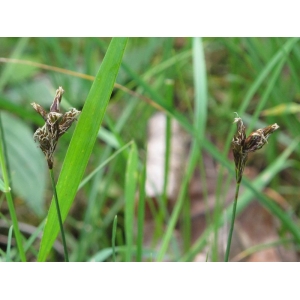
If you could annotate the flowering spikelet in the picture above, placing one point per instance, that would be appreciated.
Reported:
(242, 145)
(56, 124)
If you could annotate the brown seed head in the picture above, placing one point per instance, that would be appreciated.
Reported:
(241, 145)
(56, 124)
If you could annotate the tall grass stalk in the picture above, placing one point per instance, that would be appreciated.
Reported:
(8, 255)
(59, 216)
(168, 131)
(113, 239)
(232, 221)
(130, 189)
(141, 214)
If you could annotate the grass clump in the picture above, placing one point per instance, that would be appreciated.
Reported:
(101, 164)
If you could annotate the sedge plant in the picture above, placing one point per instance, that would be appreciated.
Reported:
(56, 124)
(241, 146)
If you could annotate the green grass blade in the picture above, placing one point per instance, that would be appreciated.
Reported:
(200, 110)
(83, 140)
(113, 239)
(8, 258)
(282, 52)
(102, 165)
(200, 84)
(270, 87)
(2, 186)
(168, 130)
(34, 236)
(130, 189)
(162, 67)
(163, 202)
(141, 214)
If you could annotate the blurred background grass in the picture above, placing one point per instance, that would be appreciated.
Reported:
(256, 77)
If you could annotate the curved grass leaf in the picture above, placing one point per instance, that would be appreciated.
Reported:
(83, 140)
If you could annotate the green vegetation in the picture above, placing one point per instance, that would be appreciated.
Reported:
(100, 163)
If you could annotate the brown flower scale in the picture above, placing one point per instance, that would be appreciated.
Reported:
(242, 145)
(56, 124)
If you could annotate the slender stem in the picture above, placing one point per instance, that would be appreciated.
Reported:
(232, 221)
(8, 258)
(59, 216)
(168, 131)
(9, 199)
(114, 237)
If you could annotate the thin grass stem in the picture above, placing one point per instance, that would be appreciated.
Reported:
(8, 256)
(113, 240)
(232, 221)
(141, 214)
(59, 216)
(168, 130)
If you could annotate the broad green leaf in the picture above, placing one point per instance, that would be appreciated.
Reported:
(83, 140)
(26, 163)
